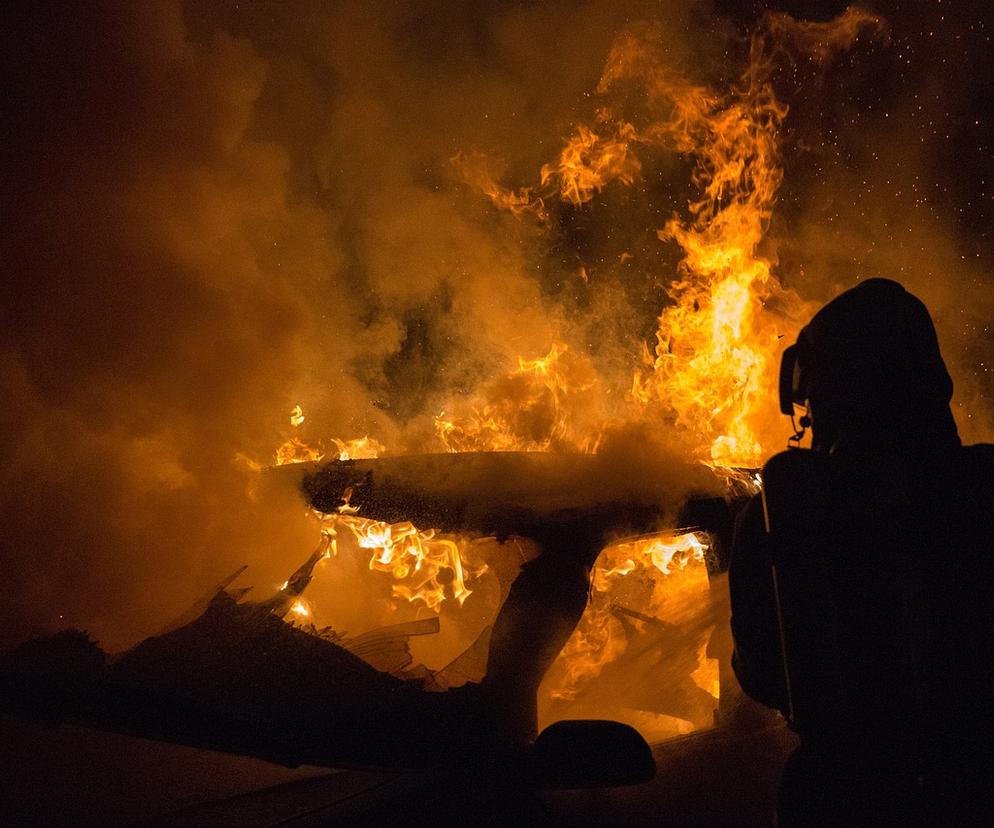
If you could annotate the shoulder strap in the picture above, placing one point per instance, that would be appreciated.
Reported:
(797, 512)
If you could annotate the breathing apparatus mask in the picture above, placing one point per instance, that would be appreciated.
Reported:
(795, 380)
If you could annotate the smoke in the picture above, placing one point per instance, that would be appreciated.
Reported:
(214, 213)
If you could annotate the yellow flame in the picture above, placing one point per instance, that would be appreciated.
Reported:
(425, 566)
(361, 448)
(297, 416)
(295, 450)
(653, 561)
(719, 337)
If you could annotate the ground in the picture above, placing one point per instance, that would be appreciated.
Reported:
(61, 775)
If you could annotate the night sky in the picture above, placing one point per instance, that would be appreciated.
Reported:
(215, 211)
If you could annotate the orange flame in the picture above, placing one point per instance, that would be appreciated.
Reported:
(648, 562)
(425, 566)
(588, 163)
(360, 448)
(540, 406)
(295, 450)
(475, 170)
(710, 369)
(718, 340)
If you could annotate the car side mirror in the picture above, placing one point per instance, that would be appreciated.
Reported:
(590, 754)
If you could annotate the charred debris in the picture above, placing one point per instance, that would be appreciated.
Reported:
(234, 675)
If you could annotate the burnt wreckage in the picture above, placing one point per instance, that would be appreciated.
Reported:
(232, 675)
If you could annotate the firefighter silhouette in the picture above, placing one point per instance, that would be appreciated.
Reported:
(862, 579)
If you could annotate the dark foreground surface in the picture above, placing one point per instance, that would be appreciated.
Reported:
(65, 775)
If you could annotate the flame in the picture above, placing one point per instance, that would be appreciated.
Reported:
(716, 343)
(360, 448)
(535, 407)
(709, 369)
(645, 570)
(588, 163)
(300, 608)
(425, 566)
(296, 450)
(475, 169)
(719, 338)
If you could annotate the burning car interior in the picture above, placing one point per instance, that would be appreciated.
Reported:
(398, 391)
